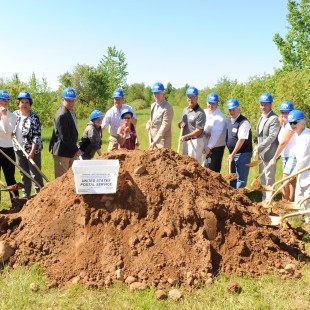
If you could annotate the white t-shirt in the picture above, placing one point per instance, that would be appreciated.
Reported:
(216, 127)
(244, 129)
(303, 157)
(290, 149)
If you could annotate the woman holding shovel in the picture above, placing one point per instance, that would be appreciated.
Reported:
(296, 119)
(28, 136)
(287, 150)
(7, 125)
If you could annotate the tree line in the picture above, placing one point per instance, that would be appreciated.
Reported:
(94, 85)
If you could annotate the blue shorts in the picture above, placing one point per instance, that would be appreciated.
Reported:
(288, 164)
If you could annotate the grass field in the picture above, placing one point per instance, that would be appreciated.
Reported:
(267, 292)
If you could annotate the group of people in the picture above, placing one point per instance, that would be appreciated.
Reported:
(204, 134)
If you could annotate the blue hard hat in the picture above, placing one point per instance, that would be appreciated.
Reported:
(126, 111)
(286, 106)
(232, 104)
(213, 98)
(295, 115)
(4, 95)
(96, 114)
(118, 93)
(192, 91)
(158, 88)
(68, 93)
(265, 97)
(24, 95)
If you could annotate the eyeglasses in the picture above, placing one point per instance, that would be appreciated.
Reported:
(293, 123)
(285, 112)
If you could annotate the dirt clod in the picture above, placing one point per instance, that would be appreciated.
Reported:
(234, 287)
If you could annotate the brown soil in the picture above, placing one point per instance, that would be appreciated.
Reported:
(170, 221)
(230, 177)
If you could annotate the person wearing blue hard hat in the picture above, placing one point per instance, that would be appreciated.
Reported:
(297, 121)
(28, 140)
(239, 143)
(113, 117)
(91, 141)
(192, 123)
(159, 124)
(267, 131)
(287, 150)
(126, 133)
(63, 144)
(215, 133)
(7, 125)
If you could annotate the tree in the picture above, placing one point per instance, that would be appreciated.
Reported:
(113, 67)
(296, 45)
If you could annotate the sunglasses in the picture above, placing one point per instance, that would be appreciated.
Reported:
(293, 123)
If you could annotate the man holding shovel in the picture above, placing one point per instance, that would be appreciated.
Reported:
(193, 121)
(267, 131)
(215, 132)
(159, 125)
(239, 143)
(114, 120)
(65, 134)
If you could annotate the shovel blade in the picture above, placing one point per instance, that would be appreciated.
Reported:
(254, 163)
(275, 220)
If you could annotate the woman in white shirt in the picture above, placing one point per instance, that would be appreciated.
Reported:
(7, 125)
(287, 150)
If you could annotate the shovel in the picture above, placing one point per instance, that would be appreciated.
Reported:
(254, 162)
(271, 187)
(13, 187)
(256, 184)
(277, 220)
(230, 176)
(30, 159)
(288, 205)
(20, 168)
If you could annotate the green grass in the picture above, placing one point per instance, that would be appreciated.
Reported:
(267, 292)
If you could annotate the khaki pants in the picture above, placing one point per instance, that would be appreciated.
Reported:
(113, 143)
(62, 165)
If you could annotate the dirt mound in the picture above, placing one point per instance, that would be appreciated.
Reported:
(171, 221)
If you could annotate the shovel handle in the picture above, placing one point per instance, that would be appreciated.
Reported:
(303, 212)
(179, 144)
(290, 176)
(30, 159)
(20, 168)
(301, 201)
(274, 194)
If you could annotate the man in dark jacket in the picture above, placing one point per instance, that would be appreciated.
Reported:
(63, 144)
(239, 143)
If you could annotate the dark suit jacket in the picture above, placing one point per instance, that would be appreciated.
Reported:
(65, 134)
(269, 136)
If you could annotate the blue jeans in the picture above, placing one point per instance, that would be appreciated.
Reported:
(238, 166)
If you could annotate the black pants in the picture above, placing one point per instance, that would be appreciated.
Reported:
(8, 168)
(214, 161)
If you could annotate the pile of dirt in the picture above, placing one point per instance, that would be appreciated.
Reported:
(170, 221)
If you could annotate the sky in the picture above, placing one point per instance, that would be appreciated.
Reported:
(195, 42)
